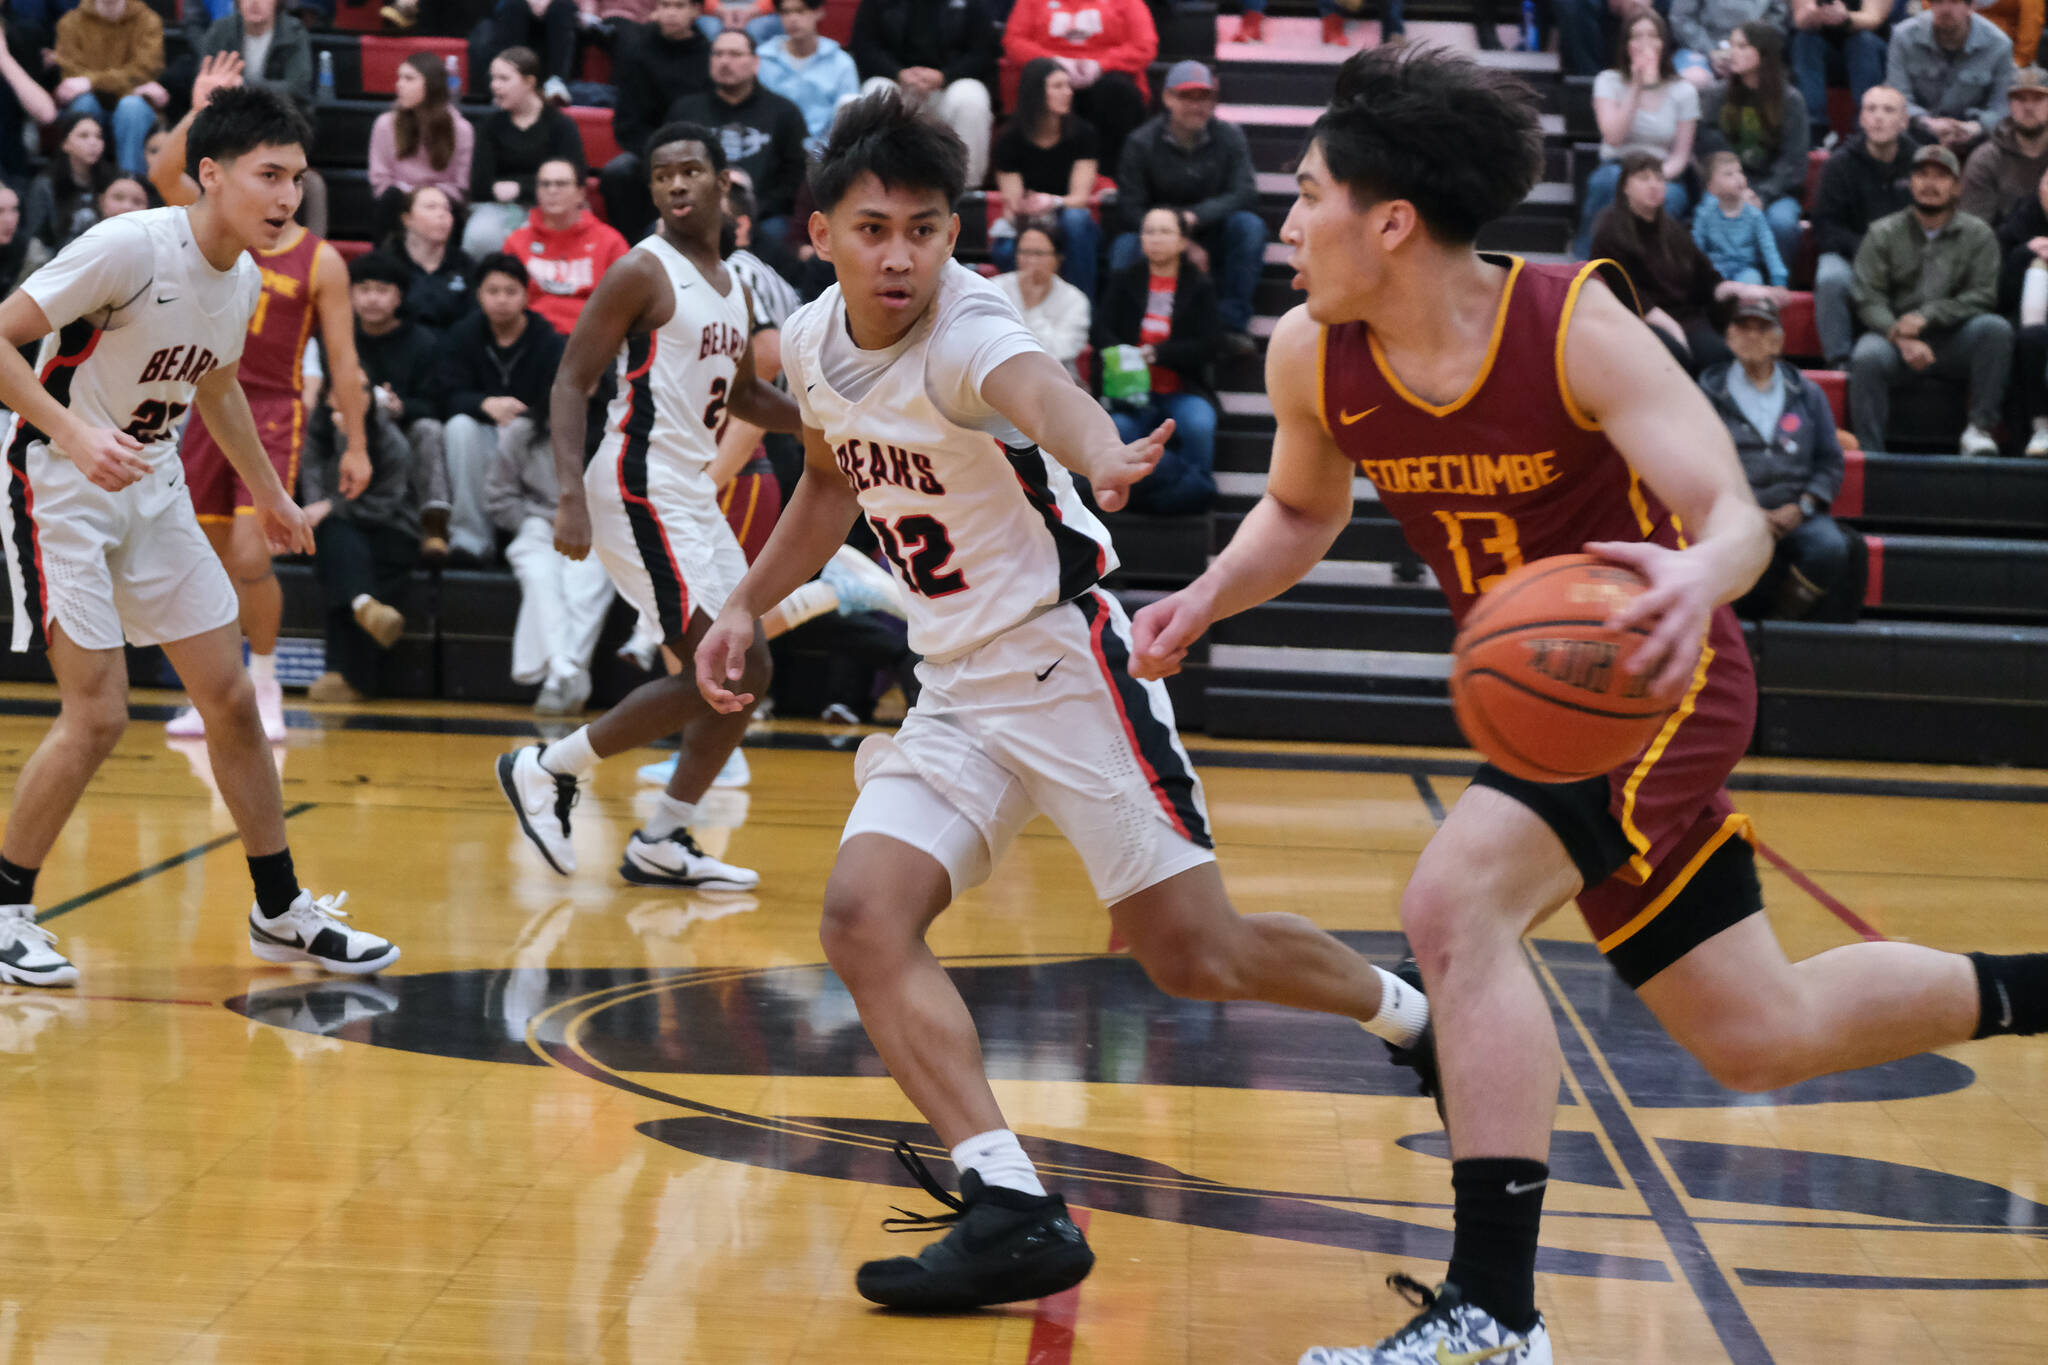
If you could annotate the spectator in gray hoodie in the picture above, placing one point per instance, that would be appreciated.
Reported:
(562, 601)
(1702, 29)
(1955, 67)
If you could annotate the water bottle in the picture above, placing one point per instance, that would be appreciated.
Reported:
(1532, 41)
(453, 66)
(326, 77)
(2034, 295)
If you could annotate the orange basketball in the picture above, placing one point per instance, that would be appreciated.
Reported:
(1537, 681)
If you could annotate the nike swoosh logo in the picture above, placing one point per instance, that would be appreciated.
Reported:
(1063, 658)
(1513, 1188)
(1350, 418)
(1446, 1356)
(172, 299)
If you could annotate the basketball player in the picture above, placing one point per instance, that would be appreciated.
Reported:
(930, 409)
(141, 318)
(678, 323)
(1430, 366)
(304, 280)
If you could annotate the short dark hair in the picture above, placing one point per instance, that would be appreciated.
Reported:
(377, 267)
(523, 60)
(240, 119)
(812, 5)
(686, 132)
(1635, 163)
(1461, 142)
(502, 263)
(883, 136)
(1666, 71)
(752, 46)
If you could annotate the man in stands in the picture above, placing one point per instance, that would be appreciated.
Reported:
(111, 53)
(652, 64)
(815, 74)
(1926, 284)
(1955, 68)
(1103, 45)
(1866, 178)
(1189, 160)
(2002, 174)
(939, 52)
(760, 131)
(563, 246)
(401, 364)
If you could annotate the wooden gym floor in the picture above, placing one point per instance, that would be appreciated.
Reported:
(587, 1122)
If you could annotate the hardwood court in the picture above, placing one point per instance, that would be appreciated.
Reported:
(588, 1122)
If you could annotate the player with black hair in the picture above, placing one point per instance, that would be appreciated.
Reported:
(930, 409)
(1434, 368)
(678, 325)
(142, 318)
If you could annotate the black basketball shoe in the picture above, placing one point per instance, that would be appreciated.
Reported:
(1420, 1055)
(1003, 1246)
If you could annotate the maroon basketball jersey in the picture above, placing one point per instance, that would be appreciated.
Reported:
(1510, 472)
(284, 316)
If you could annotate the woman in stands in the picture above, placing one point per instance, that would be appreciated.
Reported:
(511, 147)
(438, 292)
(1761, 117)
(1166, 307)
(422, 139)
(1046, 160)
(63, 200)
(1057, 313)
(1642, 105)
(1676, 285)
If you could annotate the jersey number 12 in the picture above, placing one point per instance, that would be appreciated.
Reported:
(920, 549)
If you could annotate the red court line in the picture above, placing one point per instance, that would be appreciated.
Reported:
(1819, 893)
(1052, 1327)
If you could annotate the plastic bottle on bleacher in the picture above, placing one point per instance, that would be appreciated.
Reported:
(326, 77)
(1532, 40)
(454, 68)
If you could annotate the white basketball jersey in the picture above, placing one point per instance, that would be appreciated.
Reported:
(983, 535)
(139, 318)
(673, 381)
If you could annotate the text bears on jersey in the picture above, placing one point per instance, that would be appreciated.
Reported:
(178, 365)
(721, 339)
(870, 464)
(1478, 476)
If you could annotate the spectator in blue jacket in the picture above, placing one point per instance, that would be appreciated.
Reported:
(815, 74)
(1732, 230)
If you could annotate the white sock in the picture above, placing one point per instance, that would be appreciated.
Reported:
(998, 1158)
(1404, 1011)
(571, 757)
(669, 816)
(809, 602)
(356, 603)
(262, 667)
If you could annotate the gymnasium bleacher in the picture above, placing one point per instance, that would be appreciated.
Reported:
(1949, 662)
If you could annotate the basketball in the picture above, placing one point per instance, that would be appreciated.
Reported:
(1537, 682)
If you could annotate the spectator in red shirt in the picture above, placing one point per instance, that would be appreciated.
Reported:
(563, 246)
(1104, 47)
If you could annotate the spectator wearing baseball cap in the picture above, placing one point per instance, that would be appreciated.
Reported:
(1784, 434)
(2002, 173)
(1926, 285)
(1188, 160)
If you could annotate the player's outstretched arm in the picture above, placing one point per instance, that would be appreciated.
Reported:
(811, 528)
(1664, 427)
(225, 407)
(344, 373)
(633, 296)
(1039, 398)
(1307, 503)
(167, 169)
(107, 457)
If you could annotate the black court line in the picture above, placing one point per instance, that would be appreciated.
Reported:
(1427, 792)
(144, 874)
(1926, 789)
(1807, 1279)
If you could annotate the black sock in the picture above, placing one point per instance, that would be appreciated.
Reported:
(17, 884)
(277, 885)
(1499, 1207)
(2012, 994)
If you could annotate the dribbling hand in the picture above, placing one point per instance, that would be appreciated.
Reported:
(1162, 633)
(1113, 475)
(722, 661)
(108, 458)
(572, 528)
(1675, 609)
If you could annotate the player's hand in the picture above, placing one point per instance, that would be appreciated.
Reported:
(355, 472)
(218, 72)
(108, 458)
(1676, 610)
(722, 661)
(1111, 476)
(284, 524)
(572, 528)
(1162, 632)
